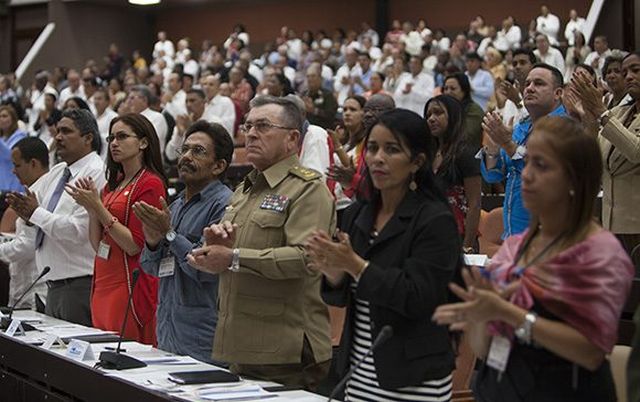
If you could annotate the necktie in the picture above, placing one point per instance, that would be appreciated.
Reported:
(53, 202)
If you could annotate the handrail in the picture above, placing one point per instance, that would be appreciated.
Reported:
(35, 49)
(592, 19)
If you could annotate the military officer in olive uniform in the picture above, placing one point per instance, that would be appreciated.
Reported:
(272, 323)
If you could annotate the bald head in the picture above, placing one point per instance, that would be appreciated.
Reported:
(375, 106)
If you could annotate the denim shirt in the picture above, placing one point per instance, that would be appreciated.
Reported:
(515, 217)
(187, 312)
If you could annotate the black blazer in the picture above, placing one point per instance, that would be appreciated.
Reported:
(411, 262)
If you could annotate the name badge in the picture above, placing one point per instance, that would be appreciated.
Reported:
(15, 328)
(79, 350)
(52, 339)
(499, 353)
(103, 250)
(167, 266)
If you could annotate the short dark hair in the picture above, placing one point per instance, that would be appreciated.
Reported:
(144, 91)
(557, 75)
(198, 92)
(222, 143)
(527, 52)
(33, 148)
(614, 58)
(86, 124)
(465, 86)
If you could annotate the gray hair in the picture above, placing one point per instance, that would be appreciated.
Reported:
(144, 91)
(86, 124)
(291, 115)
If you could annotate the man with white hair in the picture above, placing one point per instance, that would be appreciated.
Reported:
(138, 101)
(74, 88)
(163, 46)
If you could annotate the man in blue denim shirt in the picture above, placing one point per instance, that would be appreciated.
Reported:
(187, 313)
(503, 157)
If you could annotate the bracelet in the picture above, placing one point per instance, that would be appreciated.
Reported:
(491, 155)
(110, 224)
(366, 264)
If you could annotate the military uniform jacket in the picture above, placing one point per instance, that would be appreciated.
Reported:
(273, 302)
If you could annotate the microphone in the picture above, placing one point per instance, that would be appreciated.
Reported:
(385, 333)
(114, 360)
(6, 321)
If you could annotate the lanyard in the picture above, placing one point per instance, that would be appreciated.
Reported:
(114, 195)
(519, 270)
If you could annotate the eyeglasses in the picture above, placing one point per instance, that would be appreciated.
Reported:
(197, 151)
(120, 137)
(261, 127)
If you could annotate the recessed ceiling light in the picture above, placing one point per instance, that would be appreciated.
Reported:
(144, 2)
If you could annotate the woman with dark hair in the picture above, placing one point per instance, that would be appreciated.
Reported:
(134, 173)
(10, 135)
(458, 86)
(396, 249)
(576, 55)
(75, 103)
(551, 297)
(455, 166)
(376, 85)
(278, 85)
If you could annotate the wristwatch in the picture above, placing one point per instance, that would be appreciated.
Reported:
(170, 236)
(603, 116)
(235, 260)
(523, 332)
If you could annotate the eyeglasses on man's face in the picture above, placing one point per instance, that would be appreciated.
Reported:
(197, 151)
(261, 127)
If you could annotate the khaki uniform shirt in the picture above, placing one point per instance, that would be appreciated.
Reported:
(269, 306)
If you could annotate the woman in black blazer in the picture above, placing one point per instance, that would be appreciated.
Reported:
(390, 266)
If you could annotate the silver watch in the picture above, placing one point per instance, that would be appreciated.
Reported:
(235, 260)
(170, 236)
(523, 332)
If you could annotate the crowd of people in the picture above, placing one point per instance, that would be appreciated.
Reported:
(370, 156)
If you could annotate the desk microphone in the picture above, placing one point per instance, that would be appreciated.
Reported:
(6, 321)
(385, 333)
(114, 360)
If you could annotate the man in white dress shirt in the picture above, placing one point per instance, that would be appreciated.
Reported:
(30, 158)
(138, 101)
(218, 108)
(104, 115)
(62, 226)
(344, 84)
(575, 24)
(548, 24)
(414, 88)
(509, 37)
(548, 54)
(163, 47)
(600, 52)
(173, 99)
(481, 80)
(74, 89)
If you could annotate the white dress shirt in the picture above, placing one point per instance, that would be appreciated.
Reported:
(67, 93)
(553, 58)
(66, 247)
(104, 121)
(572, 27)
(342, 90)
(508, 40)
(591, 57)
(421, 91)
(19, 253)
(220, 109)
(177, 105)
(177, 139)
(166, 46)
(481, 87)
(159, 123)
(549, 25)
(314, 153)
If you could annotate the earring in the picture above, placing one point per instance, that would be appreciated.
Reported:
(413, 186)
(572, 193)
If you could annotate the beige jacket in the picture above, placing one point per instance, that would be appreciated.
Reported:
(621, 179)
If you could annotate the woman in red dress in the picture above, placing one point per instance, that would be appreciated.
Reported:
(134, 173)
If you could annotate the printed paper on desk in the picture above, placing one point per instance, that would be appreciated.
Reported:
(15, 326)
(80, 350)
(477, 260)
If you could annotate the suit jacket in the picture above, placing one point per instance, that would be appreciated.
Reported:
(410, 264)
(620, 147)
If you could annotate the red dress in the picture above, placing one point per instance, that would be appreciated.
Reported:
(112, 276)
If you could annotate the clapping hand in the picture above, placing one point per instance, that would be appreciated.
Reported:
(85, 193)
(333, 259)
(222, 234)
(497, 131)
(342, 174)
(156, 223)
(23, 204)
(589, 94)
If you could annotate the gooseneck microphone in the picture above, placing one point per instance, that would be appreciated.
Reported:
(6, 321)
(385, 333)
(114, 360)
